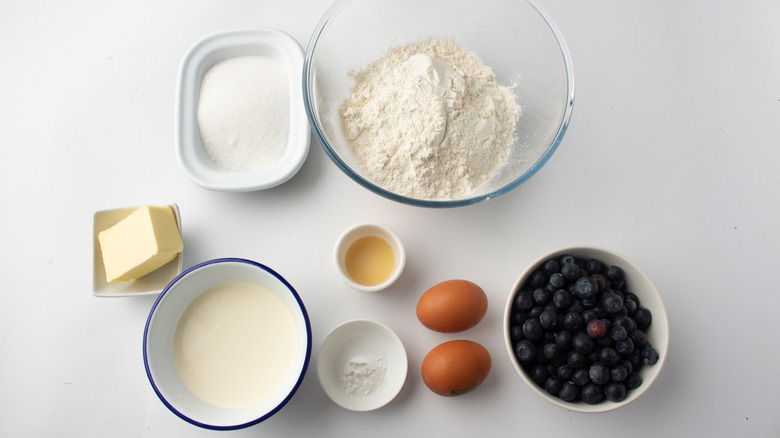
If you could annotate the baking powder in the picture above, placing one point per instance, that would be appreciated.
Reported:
(362, 375)
(429, 120)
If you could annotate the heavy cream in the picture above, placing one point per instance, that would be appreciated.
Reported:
(235, 344)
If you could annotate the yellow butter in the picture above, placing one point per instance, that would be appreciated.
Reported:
(140, 243)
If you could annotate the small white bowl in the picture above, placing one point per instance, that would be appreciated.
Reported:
(151, 283)
(357, 231)
(158, 344)
(211, 50)
(376, 357)
(638, 283)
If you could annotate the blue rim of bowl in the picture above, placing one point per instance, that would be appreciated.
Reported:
(313, 121)
(303, 369)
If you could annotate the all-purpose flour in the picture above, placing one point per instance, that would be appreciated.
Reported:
(429, 120)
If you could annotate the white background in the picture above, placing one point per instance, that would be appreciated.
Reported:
(671, 158)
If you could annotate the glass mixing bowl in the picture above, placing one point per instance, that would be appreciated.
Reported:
(517, 39)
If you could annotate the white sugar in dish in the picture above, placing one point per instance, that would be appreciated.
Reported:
(244, 113)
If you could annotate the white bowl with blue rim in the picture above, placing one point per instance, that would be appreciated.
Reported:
(161, 326)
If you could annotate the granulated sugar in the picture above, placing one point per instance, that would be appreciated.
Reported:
(244, 113)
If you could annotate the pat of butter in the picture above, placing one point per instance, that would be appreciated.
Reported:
(140, 243)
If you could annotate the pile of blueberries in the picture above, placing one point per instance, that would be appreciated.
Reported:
(579, 333)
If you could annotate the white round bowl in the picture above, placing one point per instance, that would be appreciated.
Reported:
(158, 343)
(355, 232)
(638, 283)
(209, 51)
(374, 352)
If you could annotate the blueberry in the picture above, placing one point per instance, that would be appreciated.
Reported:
(562, 299)
(549, 319)
(608, 356)
(635, 357)
(585, 287)
(568, 258)
(535, 311)
(538, 279)
(630, 306)
(580, 377)
(548, 337)
(563, 339)
(649, 355)
(553, 385)
(633, 381)
(525, 351)
(600, 280)
(625, 347)
(639, 338)
(557, 280)
(576, 305)
(573, 321)
(618, 373)
(589, 315)
(615, 391)
(576, 360)
(516, 333)
(614, 273)
(551, 266)
(552, 351)
(631, 296)
(592, 394)
(611, 302)
(604, 341)
(542, 296)
(569, 392)
(618, 333)
(643, 317)
(597, 328)
(619, 284)
(532, 329)
(538, 373)
(517, 318)
(627, 365)
(570, 271)
(594, 266)
(599, 374)
(565, 372)
(626, 322)
(582, 343)
(523, 300)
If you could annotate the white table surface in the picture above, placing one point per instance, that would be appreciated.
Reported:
(671, 158)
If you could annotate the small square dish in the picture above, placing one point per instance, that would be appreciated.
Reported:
(190, 151)
(150, 284)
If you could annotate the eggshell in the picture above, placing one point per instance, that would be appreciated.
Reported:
(455, 367)
(452, 306)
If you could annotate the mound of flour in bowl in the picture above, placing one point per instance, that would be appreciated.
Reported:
(429, 120)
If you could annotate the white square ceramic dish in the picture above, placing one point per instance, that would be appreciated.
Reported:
(211, 50)
(150, 284)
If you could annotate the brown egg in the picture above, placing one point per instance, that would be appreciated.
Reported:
(455, 367)
(452, 306)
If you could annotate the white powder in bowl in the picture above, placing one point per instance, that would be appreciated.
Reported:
(363, 374)
(244, 113)
(429, 120)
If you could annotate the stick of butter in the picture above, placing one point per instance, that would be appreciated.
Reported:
(140, 243)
